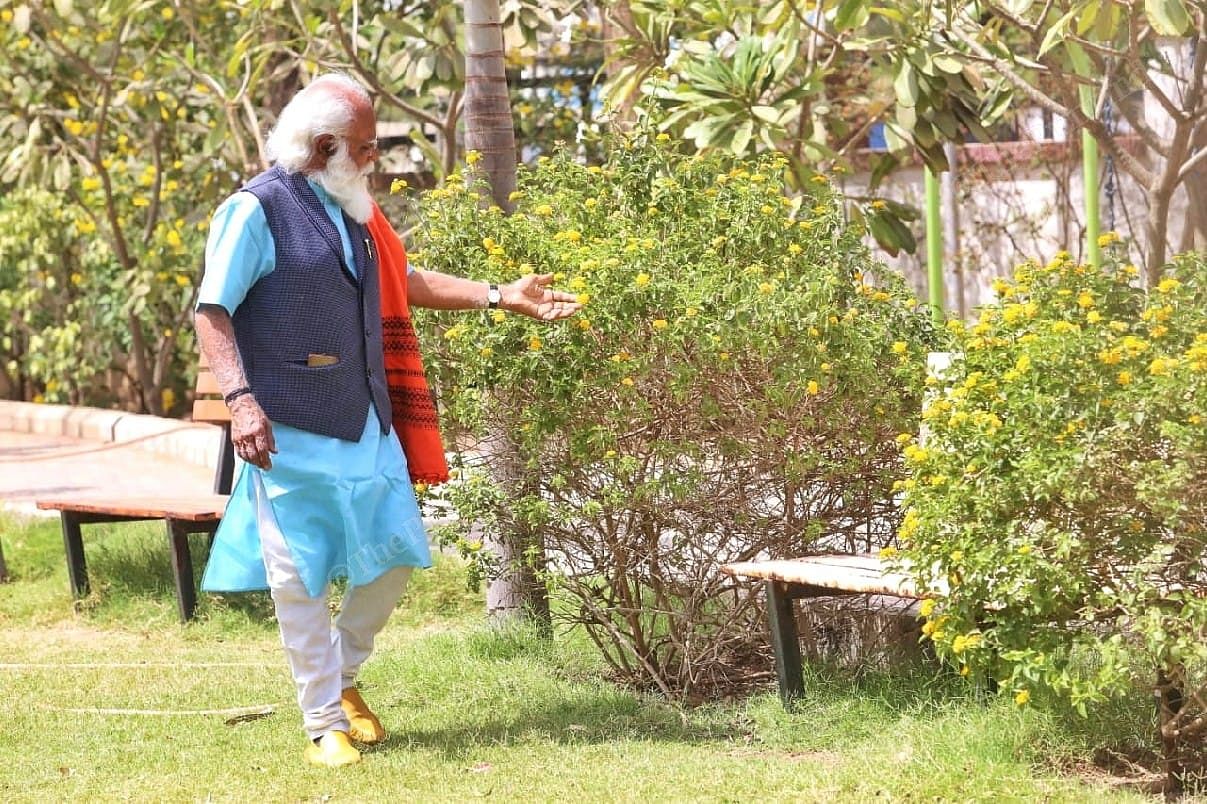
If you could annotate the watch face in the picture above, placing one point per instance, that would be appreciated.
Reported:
(493, 296)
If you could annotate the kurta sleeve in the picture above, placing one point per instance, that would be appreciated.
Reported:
(239, 252)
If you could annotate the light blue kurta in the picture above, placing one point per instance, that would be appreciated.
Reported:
(346, 509)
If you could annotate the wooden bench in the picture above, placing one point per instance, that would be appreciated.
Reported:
(198, 513)
(814, 576)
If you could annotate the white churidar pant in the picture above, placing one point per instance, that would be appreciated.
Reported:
(323, 657)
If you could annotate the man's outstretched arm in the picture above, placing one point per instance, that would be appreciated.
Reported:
(529, 295)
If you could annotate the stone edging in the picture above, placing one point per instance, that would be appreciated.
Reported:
(175, 438)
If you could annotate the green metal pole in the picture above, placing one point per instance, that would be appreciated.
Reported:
(1089, 161)
(934, 246)
(1089, 171)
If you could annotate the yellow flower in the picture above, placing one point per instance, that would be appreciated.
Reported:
(794, 248)
(486, 351)
(544, 210)
(818, 179)
(642, 280)
(1168, 285)
(534, 344)
(498, 316)
(627, 382)
(900, 347)
(398, 185)
(1085, 300)
(878, 204)
(690, 312)
(167, 13)
(813, 388)
(182, 280)
(473, 157)
(140, 202)
(584, 324)
(660, 324)
(927, 607)
(583, 298)
(888, 552)
(1107, 239)
(1124, 378)
(724, 355)
(1161, 366)
(1024, 549)
(1022, 697)
(663, 137)
(610, 453)
(6, 15)
(1022, 364)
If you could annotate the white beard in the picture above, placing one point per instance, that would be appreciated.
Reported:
(347, 184)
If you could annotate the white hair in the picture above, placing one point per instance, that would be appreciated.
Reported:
(323, 107)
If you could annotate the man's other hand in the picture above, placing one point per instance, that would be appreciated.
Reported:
(532, 296)
(251, 432)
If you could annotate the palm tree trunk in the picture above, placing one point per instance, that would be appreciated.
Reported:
(518, 591)
(489, 129)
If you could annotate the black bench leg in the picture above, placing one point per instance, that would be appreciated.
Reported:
(73, 544)
(785, 641)
(182, 569)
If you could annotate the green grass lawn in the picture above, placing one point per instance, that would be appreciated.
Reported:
(103, 703)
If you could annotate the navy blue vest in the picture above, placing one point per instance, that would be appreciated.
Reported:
(312, 304)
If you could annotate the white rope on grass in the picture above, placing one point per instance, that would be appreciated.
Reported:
(120, 665)
(240, 712)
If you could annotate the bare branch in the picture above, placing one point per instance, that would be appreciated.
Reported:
(1134, 37)
(373, 81)
(1150, 137)
(1096, 127)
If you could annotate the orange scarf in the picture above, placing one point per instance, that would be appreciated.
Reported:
(414, 412)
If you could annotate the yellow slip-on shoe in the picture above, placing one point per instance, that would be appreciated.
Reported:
(366, 728)
(333, 750)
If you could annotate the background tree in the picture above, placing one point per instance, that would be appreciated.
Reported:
(1059, 55)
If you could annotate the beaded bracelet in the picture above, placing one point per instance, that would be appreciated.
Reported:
(235, 394)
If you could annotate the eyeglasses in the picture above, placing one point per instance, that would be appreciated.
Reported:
(365, 149)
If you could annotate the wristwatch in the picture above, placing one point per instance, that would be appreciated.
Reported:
(493, 296)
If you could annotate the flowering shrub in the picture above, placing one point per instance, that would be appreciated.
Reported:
(1059, 499)
(731, 390)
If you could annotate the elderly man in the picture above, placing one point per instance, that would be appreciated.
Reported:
(289, 317)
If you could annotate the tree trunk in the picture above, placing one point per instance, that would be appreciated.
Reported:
(518, 591)
(489, 129)
(617, 23)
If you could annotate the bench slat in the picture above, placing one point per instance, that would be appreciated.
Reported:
(210, 410)
(198, 508)
(207, 383)
(848, 573)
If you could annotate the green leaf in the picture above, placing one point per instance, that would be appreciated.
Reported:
(741, 137)
(949, 64)
(1056, 33)
(1089, 16)
(1168, 17)
(906, 85)
(851, 14)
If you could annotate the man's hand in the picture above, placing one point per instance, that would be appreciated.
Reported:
(251, 432)
(532, 296)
